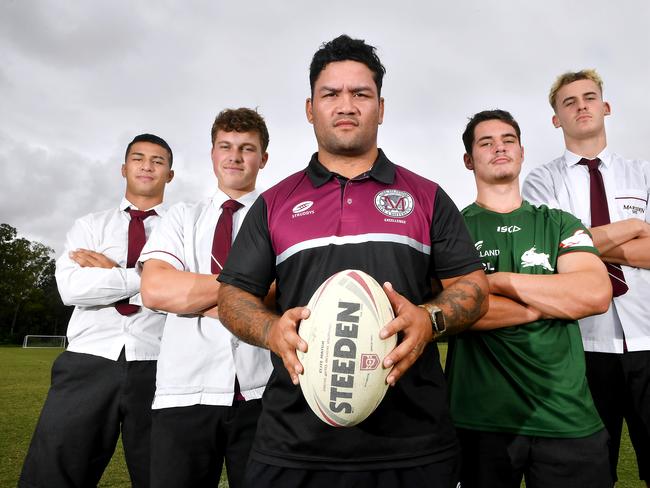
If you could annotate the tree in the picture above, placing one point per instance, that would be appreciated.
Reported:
(27, 285)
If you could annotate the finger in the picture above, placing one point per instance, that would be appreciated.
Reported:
(295, 315)
(293, 366)
(402, 357)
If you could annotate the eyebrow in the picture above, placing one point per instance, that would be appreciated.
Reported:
(143, 155)
(502, 136)
(354, 89)
(573, 97)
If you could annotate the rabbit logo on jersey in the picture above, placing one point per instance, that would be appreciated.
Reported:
(533, 258)
(394, 203)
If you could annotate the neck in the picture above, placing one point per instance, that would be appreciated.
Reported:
(234, 193)
(588, 148)
(143, 202)
(500, 198)
(348, 166)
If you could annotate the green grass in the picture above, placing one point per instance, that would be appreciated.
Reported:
(23, 387)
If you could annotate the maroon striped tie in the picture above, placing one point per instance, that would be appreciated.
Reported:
(600, 216)
(137, 238)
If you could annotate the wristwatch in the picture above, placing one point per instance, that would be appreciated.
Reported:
(438, 325)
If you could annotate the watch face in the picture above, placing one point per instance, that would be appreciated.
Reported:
(439, 320)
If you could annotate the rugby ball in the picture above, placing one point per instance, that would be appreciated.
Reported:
(344, 380)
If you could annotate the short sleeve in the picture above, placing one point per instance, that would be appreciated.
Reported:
(452, 249)
(574, 236)
(251, 262)
(538, 188)
(166, 240)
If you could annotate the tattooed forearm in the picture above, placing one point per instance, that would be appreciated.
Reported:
(463, 302)
(245, 315)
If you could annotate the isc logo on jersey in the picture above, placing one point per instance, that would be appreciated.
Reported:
(508, 229)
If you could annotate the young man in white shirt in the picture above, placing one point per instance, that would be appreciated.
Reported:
(104, 383)
(208, 384)
(610, 195)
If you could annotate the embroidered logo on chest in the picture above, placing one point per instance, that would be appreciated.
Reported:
(533, 258)
(301, 209)
(394, 203)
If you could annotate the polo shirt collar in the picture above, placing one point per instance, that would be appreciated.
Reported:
(383, 170)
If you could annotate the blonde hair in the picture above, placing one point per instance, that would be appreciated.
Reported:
(570, 77)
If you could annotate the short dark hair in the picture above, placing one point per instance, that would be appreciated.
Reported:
(485, 115)
(241, 120)
(344, 48)
(154, 140)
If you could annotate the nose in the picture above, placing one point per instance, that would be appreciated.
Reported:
(147, 164)
(236, 156)
(346, 104)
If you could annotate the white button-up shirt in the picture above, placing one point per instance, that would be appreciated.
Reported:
(96, 327)
(563, 183)
(199, 357)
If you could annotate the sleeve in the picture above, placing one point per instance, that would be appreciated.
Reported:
(452, 248)
(538, 188)
(166, 240)
(87, 287)
(251, 262)
(574, 236)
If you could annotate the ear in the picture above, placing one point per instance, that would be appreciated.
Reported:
(556, 121)
(170, 177)
(124, 170)
(381, 110)
(469, 164)
(308, 111)
(608, 108)
(522, 154)
(265, 158)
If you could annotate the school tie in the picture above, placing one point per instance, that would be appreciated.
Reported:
(137, 238)
(600, 216)
(222, 240)
(221, 244)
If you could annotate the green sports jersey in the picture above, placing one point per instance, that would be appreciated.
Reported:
(527, 379)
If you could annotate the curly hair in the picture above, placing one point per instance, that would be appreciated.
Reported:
(241, 120)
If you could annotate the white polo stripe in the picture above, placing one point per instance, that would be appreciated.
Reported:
(357, 239)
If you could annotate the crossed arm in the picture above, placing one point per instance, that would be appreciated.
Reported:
(624, 242)
(463, 301)
(579, 289)
(168, 289)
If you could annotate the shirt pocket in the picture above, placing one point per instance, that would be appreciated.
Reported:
(632, 203)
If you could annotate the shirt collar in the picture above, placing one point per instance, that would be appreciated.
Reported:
(383, 170)
(124, 204)
(246, 200)
(571, 159)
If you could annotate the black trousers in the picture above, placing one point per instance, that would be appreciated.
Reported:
(500, 460)
(443, 474)
(190, 444)
(91, 399)
(620, 387)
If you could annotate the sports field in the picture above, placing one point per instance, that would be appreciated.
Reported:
(23, 386)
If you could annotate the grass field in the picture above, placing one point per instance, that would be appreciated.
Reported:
(23, 387)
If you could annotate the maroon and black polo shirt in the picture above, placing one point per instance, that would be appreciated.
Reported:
(392, 224)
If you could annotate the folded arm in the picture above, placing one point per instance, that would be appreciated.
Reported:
(625, 242)
(171, 290)
(580, 288)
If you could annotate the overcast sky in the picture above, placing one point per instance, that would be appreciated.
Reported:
(79, 79)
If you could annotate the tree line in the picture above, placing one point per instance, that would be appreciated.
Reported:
(29, 299)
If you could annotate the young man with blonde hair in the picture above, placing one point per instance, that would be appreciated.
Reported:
(209, 384)
(610, 195)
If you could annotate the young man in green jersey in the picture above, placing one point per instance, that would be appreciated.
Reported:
(519, 396)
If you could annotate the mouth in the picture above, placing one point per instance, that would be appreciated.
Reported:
(583, 117)
(345, 123)
(145, 178)
(501, 160)
(233, 168)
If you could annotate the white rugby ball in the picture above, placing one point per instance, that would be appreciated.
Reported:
(344, 380)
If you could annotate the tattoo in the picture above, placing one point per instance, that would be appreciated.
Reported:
(245, 315)
(462, 303)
